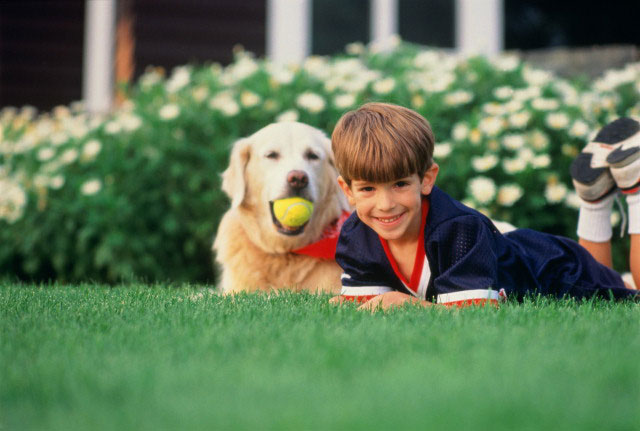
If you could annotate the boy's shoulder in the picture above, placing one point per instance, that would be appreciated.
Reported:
(444, 208)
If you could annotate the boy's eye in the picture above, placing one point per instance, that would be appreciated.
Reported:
(402, 184)
(366, 189)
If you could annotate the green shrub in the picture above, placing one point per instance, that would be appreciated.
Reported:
(136, 194)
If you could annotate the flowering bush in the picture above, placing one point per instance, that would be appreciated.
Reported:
(137, 193)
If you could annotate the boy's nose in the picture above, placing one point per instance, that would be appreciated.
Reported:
(385, 201)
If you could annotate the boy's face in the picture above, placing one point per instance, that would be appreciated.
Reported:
(393, 209)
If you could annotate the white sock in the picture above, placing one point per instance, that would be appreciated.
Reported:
(594, 220)
(633, 202)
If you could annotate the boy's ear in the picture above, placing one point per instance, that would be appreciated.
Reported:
(346, 190)
(429, 179)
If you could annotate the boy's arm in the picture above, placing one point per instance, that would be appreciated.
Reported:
(360, 292)
(468, 274)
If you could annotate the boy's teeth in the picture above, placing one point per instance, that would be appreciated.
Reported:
(389, 220)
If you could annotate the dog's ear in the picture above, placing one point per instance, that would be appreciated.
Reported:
(233, 181)
(332, 172)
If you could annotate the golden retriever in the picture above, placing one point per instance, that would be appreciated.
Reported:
(252, 248)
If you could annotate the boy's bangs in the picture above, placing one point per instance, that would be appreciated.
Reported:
(382, 162)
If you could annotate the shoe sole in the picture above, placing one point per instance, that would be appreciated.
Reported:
(625, 162)
(591, 184)
(627, 173)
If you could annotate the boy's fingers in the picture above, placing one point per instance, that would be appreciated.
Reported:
(336, 300)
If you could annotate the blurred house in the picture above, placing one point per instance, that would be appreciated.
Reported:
(45, 45)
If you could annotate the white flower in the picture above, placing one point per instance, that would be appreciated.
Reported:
(344, 101)
(318, 67)
(150, 78)
(538, 140)
(249, 99)
(536, 77)
(579, 129)
(56, 182)
(475, 136)
(355, 48)
(513, 106)
(91, 187)
(555, 192)
(91, 149)
(45, 154)
(180, 77)
(225, 103)
(280, 74)
(519, 119)
(69, 156)
(513, 141)
(491, 126)
(459, 97)
(129, 121)
(526, 154)
(493, 108)
(426, 59)
(615, 78)
(169, 111)
(482, 189)
(514, 166)
(503, 92)
(507, 63)
(484, 163)
(573, 200)
(244, 66)
(441, 150)
(12, 200)
(545, 104)
(541, 161)
(290, 115)
(460, 131)
(384, 86)
(557, 120)
(509, 194)
(614, 218)
(200, 93)
(311, 102)
(59, 138)
(112, 128)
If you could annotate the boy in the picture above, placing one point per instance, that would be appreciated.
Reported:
(408, 241)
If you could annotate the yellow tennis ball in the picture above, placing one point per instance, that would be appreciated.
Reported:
(292, 212)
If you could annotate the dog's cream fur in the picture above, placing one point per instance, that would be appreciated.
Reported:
(252, 253)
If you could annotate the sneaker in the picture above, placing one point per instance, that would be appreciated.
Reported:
(624, 160)
(590, 169)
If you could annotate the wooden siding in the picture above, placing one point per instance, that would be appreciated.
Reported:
(41, 52)
(170, 33)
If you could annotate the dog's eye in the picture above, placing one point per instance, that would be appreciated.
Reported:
(273, 155)
(310, 155)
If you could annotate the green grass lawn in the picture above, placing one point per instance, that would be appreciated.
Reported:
(152, 357)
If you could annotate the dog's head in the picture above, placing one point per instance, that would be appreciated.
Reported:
(279, 161)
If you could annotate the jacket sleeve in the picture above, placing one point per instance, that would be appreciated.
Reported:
(467, 262)
(362, 277)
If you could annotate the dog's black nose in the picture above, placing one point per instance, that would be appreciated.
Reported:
(297, 179)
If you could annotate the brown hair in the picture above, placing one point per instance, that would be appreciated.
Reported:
(381, 142)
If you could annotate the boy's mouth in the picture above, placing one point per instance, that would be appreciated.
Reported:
(389, 220)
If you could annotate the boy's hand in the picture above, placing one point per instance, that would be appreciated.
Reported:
(337, 300)
(391, 300)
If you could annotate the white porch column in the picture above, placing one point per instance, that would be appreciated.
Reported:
(288, 30)
(384, 22)
(98, 62)
(479, 26)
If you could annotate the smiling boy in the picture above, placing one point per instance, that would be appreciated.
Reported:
(408, 241)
